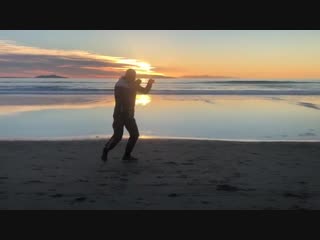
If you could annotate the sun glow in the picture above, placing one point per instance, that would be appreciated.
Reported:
(143, 100)
(145, 66)
(139, 66)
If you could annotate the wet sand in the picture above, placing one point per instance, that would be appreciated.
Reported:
(170, 174)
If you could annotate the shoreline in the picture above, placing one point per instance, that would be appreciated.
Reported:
(100, 138)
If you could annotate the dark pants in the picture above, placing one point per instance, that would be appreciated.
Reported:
(131, 126)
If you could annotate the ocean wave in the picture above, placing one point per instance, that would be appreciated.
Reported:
(164, 87)
(62, 91)
(253, 82)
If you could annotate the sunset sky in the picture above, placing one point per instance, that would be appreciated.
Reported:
(100, 54)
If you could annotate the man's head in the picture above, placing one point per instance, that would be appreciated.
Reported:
(130, 75)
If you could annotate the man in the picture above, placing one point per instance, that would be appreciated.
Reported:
(123, 116)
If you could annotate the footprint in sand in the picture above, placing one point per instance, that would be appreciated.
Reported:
(32, 181)
(296, 195)
(40, 193)
(79, 199)
(226, 187)
(213, 181)
(102, 184)
(58, 195)
(183, 176)
(36, 169)
(188, 163)
(171, 163)
(174, 195)
(236, 175)
(297, 207)
(159, 184)
(248, 189)
(83, 180)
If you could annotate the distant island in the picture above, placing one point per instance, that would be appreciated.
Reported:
(206, 76)
(11, 77)
(49, 76)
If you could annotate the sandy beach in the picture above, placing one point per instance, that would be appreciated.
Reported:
(170, 174)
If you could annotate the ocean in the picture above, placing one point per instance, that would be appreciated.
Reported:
(221, 109)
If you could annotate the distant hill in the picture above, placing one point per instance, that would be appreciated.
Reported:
(49, 76)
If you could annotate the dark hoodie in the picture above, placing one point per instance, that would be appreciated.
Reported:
(125, 96)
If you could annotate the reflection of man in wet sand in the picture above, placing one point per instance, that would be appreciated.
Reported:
(125, 96)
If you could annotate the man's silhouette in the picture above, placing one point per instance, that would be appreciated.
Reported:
(123, 116)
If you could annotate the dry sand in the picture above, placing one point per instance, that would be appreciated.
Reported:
(170, 174)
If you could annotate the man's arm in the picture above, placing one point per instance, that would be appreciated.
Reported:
(144, 90)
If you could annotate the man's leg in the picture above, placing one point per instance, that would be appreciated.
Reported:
(132, 128)
(117, 125)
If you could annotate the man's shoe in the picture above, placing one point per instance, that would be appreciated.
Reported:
(104, 156)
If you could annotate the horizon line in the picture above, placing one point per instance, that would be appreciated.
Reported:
(167, 77)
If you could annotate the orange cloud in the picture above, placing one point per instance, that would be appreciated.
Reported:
(17, 60)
